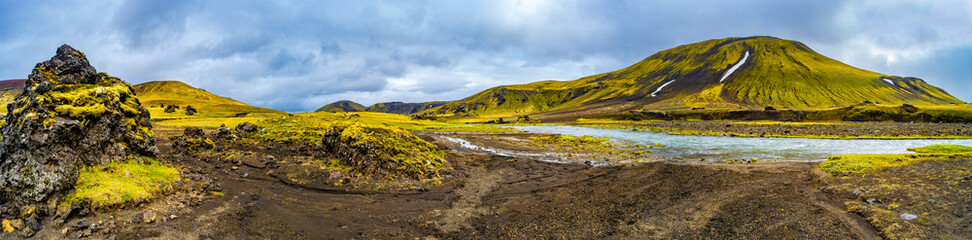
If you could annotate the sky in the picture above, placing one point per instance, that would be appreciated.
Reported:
(299, 55)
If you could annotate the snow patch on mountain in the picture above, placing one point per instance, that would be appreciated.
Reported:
(734, 67)
(655, 93)
(888, 80)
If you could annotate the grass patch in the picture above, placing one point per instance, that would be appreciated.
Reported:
(134, 180)
(942, 148)
(866, 162)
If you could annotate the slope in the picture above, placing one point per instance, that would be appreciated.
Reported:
(158, 93)
(731, 73)
(9, 89)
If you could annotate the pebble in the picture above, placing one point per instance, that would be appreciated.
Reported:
(82, 224)
(908, 217)
(148, 216)
(245, 175)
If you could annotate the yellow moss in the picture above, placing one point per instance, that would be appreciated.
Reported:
(137, 179)
(7, 227)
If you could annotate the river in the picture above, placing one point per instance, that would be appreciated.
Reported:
(714, 148)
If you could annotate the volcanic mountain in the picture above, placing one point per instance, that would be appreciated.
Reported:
(732, 73)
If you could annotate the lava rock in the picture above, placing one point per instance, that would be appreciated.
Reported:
(222, 133)
(190, 110)
(192, 138)
(245, 128)
(67, 117)
(171, 109)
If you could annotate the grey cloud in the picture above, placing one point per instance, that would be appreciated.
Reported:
(292, 55)
(151, 22)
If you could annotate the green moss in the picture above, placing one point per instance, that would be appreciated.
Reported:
(413, 155)
(866, 162)
(137, 179)
(942, 148)
(389, 143)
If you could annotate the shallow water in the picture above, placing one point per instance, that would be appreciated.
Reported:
(715, 148)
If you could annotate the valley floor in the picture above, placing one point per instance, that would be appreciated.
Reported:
(487, 196)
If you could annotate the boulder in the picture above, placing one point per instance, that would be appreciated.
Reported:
(67, 117)
(245, 128)
(171, 109)
(190, 110)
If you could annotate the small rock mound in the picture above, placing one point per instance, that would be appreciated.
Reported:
(382, 150)
(68, 116)
(192, 138)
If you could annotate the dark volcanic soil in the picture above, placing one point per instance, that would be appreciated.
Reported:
(492, 197)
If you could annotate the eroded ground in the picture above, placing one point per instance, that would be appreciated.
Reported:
(253, 190)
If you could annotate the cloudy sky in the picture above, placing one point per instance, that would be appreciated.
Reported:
(299, 55)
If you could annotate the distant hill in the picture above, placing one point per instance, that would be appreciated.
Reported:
(8, 91)
(158, 94)
(385, 107)
(731, 73)
(342, 106)
(403, 108)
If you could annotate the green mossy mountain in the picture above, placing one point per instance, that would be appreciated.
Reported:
(342, 106)
(771, 72)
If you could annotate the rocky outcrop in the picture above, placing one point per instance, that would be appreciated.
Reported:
(68, 116)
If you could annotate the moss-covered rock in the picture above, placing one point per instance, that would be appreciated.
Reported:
(69, 116)
(382, 150)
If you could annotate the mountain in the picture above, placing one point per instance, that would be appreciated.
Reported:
(731, 73)
(342, 106)
(155, 94)
(8, 91)
(403, 108)
(385, 107)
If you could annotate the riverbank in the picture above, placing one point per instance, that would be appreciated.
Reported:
(825, 130)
